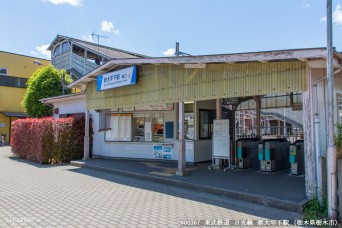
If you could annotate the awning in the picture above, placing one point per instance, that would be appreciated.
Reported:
(15, 114)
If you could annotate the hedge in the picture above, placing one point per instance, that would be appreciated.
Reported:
(48, 141)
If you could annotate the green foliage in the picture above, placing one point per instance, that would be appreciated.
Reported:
(314, 211)
(338, 139)
(45, 82)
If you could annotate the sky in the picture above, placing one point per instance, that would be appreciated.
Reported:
(152, 27)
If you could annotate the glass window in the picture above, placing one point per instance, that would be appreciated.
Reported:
(206, 123)
(158, 129)
(3, 71)
(339, 107)
(119, 127)
(56, 51)
(65, 47)
(139, 130)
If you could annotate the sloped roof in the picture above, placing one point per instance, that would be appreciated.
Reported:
(105, 50)
(305, 54)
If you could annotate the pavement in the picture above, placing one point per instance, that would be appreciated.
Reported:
(277, 189)
(35, 195)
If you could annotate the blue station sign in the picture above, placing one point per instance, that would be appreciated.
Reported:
(119, 78)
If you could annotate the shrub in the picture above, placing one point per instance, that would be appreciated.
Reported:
(338, 140)
(48, 141)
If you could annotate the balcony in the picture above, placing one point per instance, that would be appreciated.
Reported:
(74, 63)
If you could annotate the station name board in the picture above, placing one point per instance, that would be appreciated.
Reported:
(119, 78)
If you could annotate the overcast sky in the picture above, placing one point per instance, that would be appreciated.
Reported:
(152, 27)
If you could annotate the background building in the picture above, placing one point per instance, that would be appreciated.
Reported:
(79, 57)
(15, 70)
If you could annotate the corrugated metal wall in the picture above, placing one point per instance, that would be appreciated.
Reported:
(174, 83)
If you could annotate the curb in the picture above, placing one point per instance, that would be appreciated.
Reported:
(253, 198)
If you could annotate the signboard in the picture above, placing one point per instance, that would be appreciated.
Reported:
(297, 106)
(158, 107)
(221, 138)
(231, 101)
(195, 65)
(162, 151)
(119, 78)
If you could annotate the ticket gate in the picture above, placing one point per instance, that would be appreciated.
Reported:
(273, 155)
(247, 152)
(297, 158)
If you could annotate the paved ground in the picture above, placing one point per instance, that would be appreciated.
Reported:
(33, 195)
(278, 185)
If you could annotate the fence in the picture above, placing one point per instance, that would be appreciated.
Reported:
(292, 133)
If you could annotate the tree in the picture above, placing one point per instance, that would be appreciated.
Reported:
(45, 82)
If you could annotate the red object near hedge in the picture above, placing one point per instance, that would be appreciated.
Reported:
(48, 141)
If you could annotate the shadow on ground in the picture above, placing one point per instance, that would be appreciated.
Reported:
(203, 197)
(35, 164)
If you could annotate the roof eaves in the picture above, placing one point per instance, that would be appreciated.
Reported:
(313, 53)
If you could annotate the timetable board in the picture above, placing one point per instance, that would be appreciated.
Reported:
(120, 128)
(221, 139)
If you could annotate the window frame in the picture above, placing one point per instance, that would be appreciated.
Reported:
(211, 115)
(339, 111)
(3, 68)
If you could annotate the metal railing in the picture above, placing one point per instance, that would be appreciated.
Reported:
(292, 133)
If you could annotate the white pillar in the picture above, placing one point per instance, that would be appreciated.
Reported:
(181, 147)
(86, 137)
(309, 153)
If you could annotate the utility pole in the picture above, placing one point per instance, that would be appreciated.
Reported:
(331, 153)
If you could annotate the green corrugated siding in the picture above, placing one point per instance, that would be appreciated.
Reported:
(173, 83)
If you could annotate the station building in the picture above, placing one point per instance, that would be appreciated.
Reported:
(167, 108)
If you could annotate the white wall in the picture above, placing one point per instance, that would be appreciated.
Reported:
(70, 107)
(130, 149)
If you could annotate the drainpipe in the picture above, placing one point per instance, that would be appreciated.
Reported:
(317, 138)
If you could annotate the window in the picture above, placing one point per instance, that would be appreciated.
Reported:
(3, 71)
(206, 123)
(56, 51)
(149, 129)
(65, 47)
(119, 127)
(339, 108)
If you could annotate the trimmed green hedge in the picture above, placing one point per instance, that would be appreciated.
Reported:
(48, 141)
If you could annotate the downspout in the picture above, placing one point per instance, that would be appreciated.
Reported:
(317, 138)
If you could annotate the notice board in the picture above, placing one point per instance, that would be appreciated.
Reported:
(120, 128)
(221, 139)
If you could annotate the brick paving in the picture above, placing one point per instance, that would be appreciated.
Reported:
(34, 195)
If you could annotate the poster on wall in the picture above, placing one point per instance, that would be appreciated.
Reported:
(120, 128)
(157, 151)
(167, 152)
(148, 131)
(162, 152)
